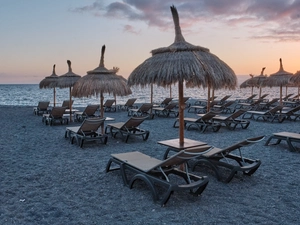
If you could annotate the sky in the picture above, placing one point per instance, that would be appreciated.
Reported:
(246, 34)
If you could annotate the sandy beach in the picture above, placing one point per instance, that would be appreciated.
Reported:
(46, 180)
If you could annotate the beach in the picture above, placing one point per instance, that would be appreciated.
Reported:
(47, 180)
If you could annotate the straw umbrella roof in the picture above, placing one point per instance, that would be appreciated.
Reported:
(49, 81)
(183, 62)
(280, 78)
(101, 80)
(295, 79)
(68, 79)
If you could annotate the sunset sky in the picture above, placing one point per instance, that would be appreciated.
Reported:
(246, 34)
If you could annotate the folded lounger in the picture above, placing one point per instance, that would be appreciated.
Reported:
(218, 158)
(289, 137)
(154, 172)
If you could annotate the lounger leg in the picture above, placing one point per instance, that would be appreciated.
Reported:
(291, 146)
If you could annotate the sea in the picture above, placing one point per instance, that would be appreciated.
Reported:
(31, 94)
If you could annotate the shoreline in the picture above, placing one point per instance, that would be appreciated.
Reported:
(47, 180)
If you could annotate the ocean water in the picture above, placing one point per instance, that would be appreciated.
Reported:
(31, 94)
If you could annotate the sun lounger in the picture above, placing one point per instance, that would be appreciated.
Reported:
(201, 108)
(247, 100)
(128, 128)
(88, 112)
(202, 123)
(87, 131)
(42, 108)
(224, 108)
(66, 103)
(165, 102)
(286, 98)
(203, 102)
(109, 105)
(291, 113)
(269, 115)
(249, 106)
(219, 158)
(269, 104)
(56, 115)
(233, 120)
(155, 173)
(223, 100)
(167, 110)
(143, 110)
(129, 104)
(289, 137)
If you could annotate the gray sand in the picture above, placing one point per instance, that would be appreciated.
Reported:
(46, 180)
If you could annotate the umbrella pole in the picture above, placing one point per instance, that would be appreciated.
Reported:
(208, 98)
(151, 94)
(252, 90)
(151, 98)
(280, 94)
(170, 91)
(102, 111)
(181, 113)
(54, 95)
(70, 104)
(259, 92)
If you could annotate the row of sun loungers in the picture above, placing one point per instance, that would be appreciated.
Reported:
(167, 172)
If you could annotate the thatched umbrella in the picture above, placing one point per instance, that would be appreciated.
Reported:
(67, 81)
(256, 81)
(245, 84)
(100, 81)
(279, 79)
(50, 82)
(295, 79)
(183, 62)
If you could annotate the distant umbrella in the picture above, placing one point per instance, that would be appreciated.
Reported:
(50, 82)
(246, 84)
(183, 62)
(279, 79)
(67, 80)
(100, 81)
(256, 81)
(295, 80)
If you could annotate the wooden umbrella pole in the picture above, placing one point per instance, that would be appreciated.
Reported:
(252, 90)
(280, 94)
(259, 92)
(54, 96)
(208, 98)
(70, 104)
(181, 113)
(102, 111)
(151, 98)
(170, 91)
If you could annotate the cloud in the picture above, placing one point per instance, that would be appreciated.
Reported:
(130, 29)
(268, 19)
